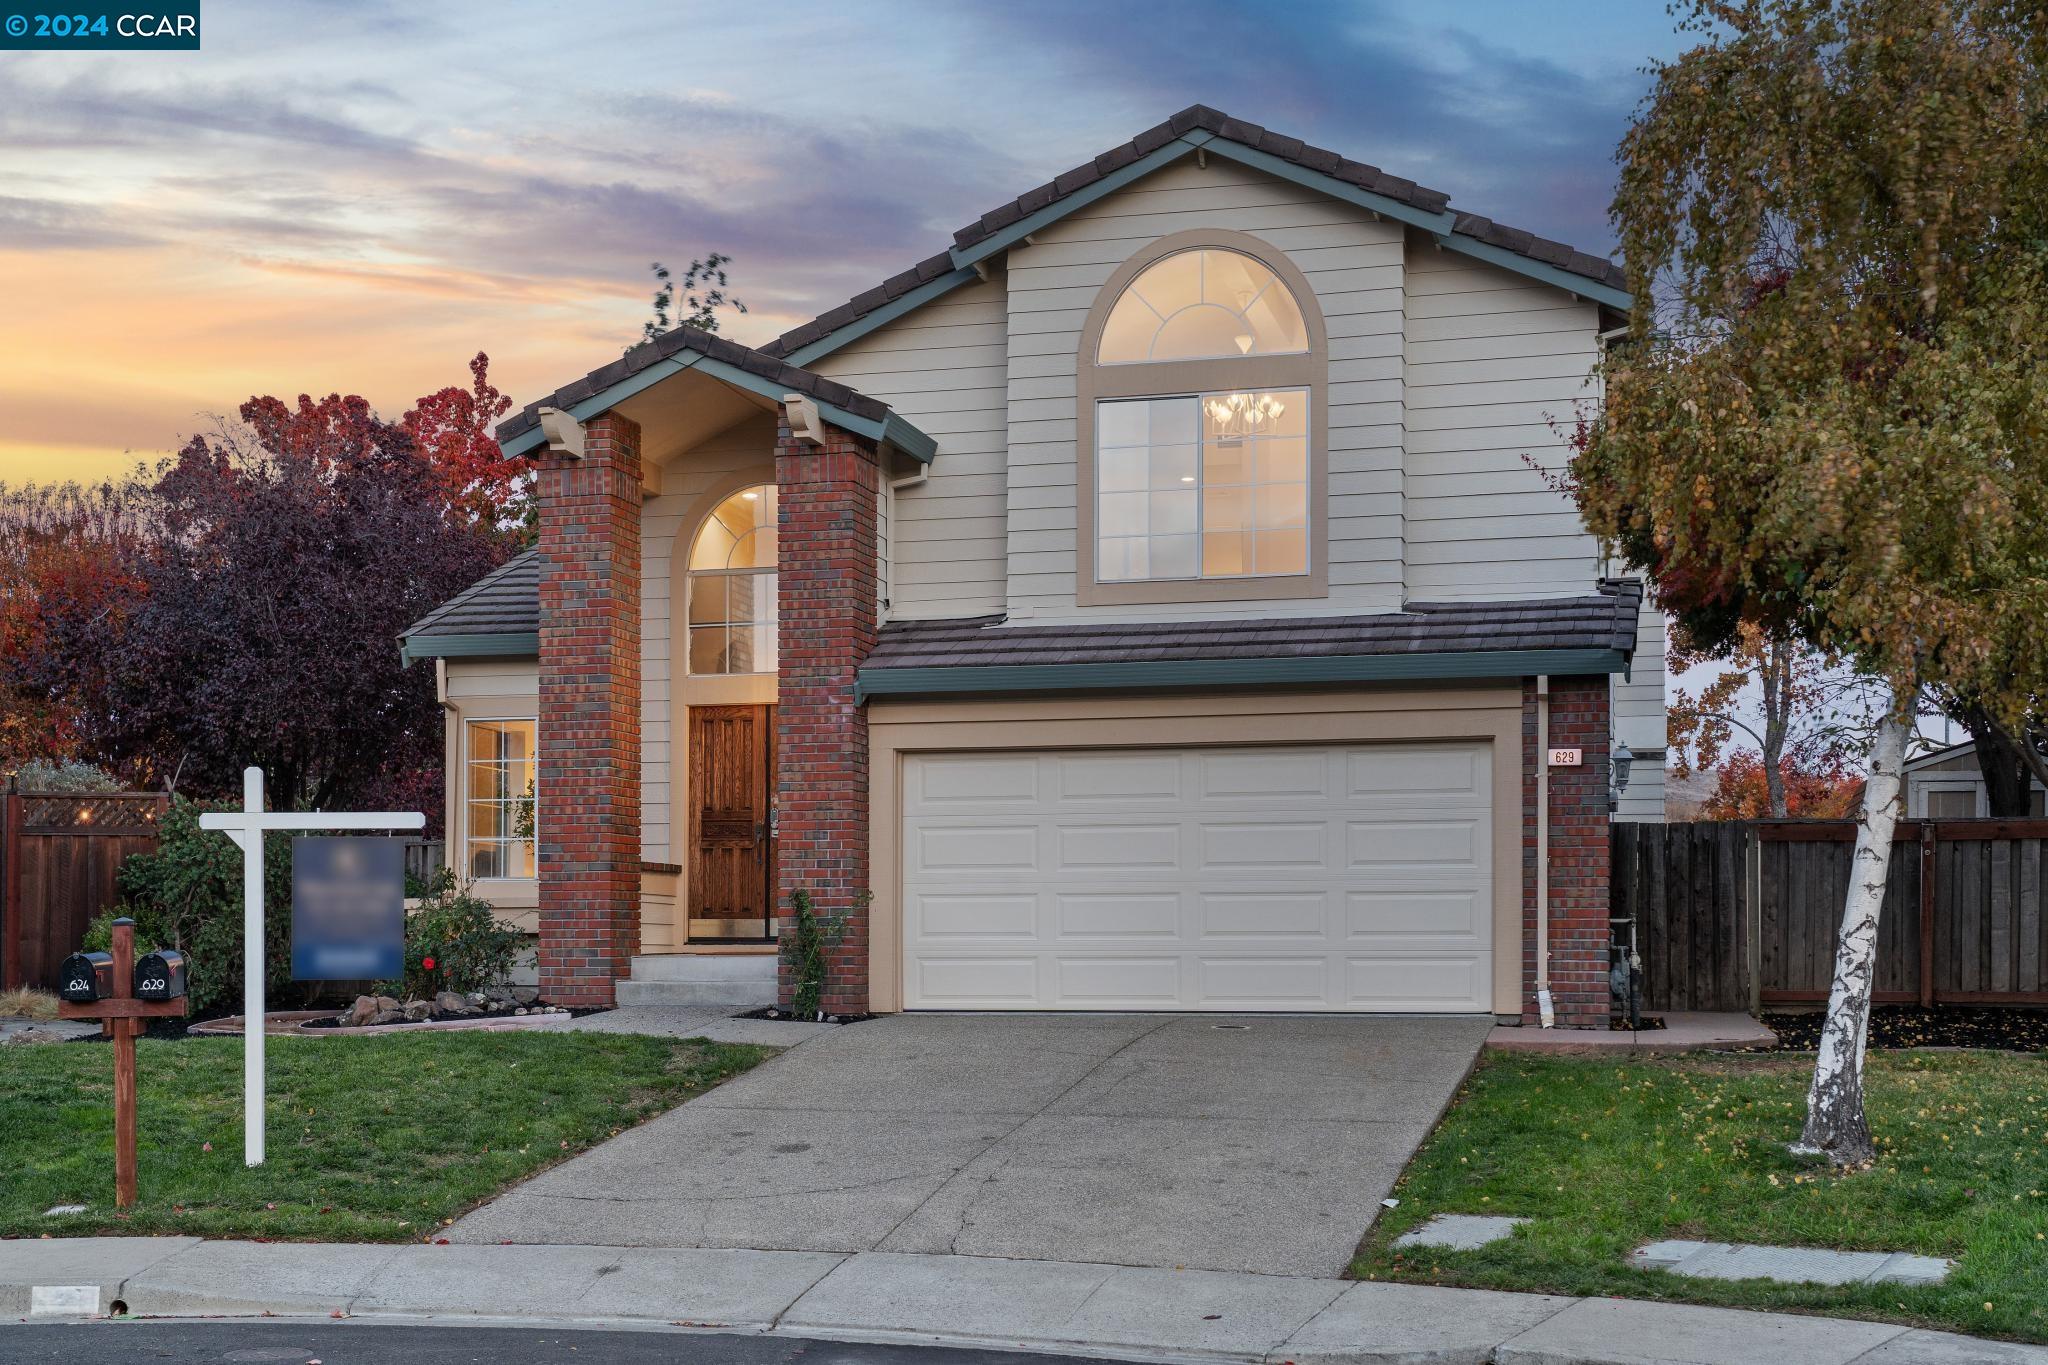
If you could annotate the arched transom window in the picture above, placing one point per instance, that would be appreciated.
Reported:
(732, 586)
(1200, 390)
(1205, 303)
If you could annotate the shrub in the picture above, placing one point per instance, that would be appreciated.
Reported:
(804, 947)
(460, 934)
(188, 895)
(47, 775)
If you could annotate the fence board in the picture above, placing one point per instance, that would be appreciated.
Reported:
(59, 857)
(1961, 922)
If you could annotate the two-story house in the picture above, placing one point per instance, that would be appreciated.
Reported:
(1154, 601)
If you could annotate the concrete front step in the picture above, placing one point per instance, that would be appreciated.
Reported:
(701, 980)
(688, 995)
(704, 967)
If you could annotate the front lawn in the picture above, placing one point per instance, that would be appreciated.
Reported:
(371, 1139)
(1605, 1157)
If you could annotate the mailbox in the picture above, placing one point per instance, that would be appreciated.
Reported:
(161, 975)
(86, 977)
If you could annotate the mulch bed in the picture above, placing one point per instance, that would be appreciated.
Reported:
(1899, 1026)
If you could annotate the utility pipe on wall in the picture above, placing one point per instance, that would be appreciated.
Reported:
(1543, 1002)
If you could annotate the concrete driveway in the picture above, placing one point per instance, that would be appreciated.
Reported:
(1258, 1143)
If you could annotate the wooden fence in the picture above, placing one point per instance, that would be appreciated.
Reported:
(59, 854)
(1740, 915)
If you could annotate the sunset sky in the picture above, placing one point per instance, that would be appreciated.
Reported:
(359, 196)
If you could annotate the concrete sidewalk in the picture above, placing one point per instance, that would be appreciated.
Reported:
(1119, 1311)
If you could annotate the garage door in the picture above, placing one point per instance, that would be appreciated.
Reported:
(1343, 877)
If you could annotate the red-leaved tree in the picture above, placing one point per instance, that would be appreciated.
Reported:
(452, 427)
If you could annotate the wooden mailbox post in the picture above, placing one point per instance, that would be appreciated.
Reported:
(123, 1014)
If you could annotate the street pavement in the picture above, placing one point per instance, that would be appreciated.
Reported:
(355, 1343)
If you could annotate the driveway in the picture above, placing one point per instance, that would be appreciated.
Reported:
(1258, 1143)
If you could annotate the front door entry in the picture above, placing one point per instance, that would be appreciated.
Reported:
(732, 824)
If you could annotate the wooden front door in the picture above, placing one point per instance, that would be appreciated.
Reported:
(732, 837)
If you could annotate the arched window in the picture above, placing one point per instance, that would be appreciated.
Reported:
(1202, 381)
(732, 586)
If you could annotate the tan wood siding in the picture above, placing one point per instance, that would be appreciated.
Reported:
(942, 368)
(1492, 361)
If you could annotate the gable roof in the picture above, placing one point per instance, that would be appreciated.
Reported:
(777, 367)
(497, 614)
(1192, 129)
(685, 348)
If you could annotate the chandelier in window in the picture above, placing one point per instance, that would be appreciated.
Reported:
(1235, 416)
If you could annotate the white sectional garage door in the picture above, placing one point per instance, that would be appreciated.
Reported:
(1342, 877)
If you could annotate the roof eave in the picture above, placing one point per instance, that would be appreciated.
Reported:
(508, 645)
(1221, 673)
(891, 430)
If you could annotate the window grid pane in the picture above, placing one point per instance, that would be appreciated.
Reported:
(732, 622)
(499, 798)
(1231, 504)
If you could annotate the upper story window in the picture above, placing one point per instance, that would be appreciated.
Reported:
(732, 586)
(1202, 377)
(1201, 304)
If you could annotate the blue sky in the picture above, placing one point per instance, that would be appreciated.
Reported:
(359, 196)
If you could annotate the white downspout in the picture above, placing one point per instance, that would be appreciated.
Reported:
(890, 490)
(1544, 1006)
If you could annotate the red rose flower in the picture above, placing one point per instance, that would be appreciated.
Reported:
(428, 963)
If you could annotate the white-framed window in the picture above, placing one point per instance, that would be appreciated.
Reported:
(1205, 303)
(733, 586)
(498, 796)
(1211, 485)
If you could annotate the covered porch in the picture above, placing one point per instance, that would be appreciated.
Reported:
(712, 523)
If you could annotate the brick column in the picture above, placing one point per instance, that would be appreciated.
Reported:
(588, 798)
(829, 610)
(1580, 854)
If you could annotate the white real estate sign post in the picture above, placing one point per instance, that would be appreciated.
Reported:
(247, 828)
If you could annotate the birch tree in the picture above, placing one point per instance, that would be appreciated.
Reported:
(1828, 418)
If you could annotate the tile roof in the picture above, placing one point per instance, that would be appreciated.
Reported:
(1200, 117)
(505, 601)
(1605, 621)
(712, 346)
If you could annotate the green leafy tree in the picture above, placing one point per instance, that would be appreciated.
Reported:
(691, 301)
(1830, 419)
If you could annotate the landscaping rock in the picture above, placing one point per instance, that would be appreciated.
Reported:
(418, 1011)
(449, 1002)
(524, 995)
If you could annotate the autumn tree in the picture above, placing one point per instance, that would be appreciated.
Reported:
(1810, 786)
(1830, 418)
(453, 428)
(1804, 704)
(67, 585)
(290, 554)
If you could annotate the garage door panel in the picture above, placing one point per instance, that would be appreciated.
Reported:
(1418, 774)
(956, 916)
(1461, 917)
(958, 782)
(1263, 846)
(943, 848)
(1446, 847)
(1421, 984)
(1106, 779)
(1263, 982)
(1106, 981)
(1268, 915)
(982, 982)
(1099, 848)
(1085, 915)
(1234, 777)
(1346, 877)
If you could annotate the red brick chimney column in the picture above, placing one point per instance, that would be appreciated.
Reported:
(588, 798)
(1580, 853)
(829, 610)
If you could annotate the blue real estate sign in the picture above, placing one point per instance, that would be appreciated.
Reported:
(348, 909)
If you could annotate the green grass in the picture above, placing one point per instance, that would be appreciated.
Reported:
(370, 1139)
(1605, 1157)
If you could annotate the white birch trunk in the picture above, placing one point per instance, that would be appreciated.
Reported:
(1835, 1124)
